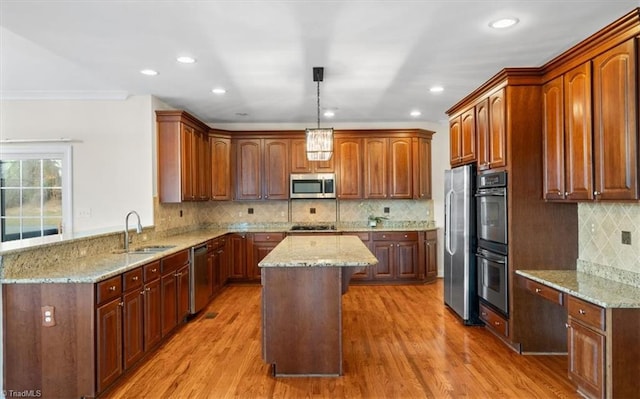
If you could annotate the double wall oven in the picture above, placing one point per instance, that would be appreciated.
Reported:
(491, 254)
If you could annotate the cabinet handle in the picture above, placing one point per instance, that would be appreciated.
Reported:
(134, 278)
(121, 304)
(566, 193)
(268, 237)
(582, 311)
(497, 323)
(596, 193)
(484, 314)
(112, 288)
(142, 292)
(147, 289)
(178, 274)
(567, 325)
(220, 251)
(538, 290)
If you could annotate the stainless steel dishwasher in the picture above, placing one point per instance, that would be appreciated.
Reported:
(199, 284)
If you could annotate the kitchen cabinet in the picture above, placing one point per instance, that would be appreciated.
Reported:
(397, 254)
(494, 321)
(253, 156)
(109, 365)
(237, 249)
(133, 317)
(422, 168)
(220, 150)
(366, 273)
(300, 163)
(215, 255)
(430, 244)
(388, 168)
(462, 137)
(174, 290)
(567, 136)
(152, 305)
(183, 158)
(615, 129)
(490, 127)
(261, 244)
(349, 165)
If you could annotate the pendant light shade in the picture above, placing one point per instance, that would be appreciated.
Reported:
(319, 141)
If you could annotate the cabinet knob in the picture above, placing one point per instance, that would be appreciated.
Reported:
(582, 311)
(147, 289)
(596, 193)
(484, 313)
(134, 278)
(566, 193)
(121, 304)
(391, 245)
(154, 270)
(142, 292)
(268, 237)
(497, 323)
(112, 288)
(538, 290)
(566, 325)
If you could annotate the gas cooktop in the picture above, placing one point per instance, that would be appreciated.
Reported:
(311, 227)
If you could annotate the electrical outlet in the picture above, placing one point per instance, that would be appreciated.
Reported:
(312, 210)
(84, 212)
(250, 211)
(180, 212)
(626, 237)
(386, 209)
(48, 316)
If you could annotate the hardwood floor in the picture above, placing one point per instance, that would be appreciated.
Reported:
(398, 342)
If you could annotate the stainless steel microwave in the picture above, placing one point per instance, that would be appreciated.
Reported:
(313, 185)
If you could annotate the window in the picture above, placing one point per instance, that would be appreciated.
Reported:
(35, 191)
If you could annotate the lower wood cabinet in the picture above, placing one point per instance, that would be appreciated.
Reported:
(109, 343)
(260, 245)
(174, 290)
(494, 321)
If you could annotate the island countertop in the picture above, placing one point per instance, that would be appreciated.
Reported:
(307, 251)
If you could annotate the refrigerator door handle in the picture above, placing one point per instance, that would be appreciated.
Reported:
(447, 222)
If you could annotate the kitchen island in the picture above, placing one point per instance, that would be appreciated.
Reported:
(303, 280)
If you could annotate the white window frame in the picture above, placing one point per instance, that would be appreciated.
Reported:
(10, 151)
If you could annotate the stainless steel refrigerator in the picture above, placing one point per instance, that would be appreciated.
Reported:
(460, 288)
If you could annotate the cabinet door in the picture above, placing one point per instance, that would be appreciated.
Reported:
(182, 279)
(553, 139)
(133, 327)
(260, 250)
(248, 169)
(468, 136)
(406, 259)
(300, 163)
(497, 130)
(237, 256)
(152, 313)
(187, 145)
(615, 117)
(375, 167)
(455, 146)
(109, 343)
(482, 130)
(400, 168)
(220, 168)
(578, 134)
(203, 168)
(586, 358)
(385, 252)
(422, 169)
(349, 168)
(168, 293)
(276, 169)
(431, 255)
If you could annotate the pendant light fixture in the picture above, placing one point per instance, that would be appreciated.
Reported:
(319, 141)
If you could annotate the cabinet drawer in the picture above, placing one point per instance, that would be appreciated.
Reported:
(395, 236)
(132, 279)
(588, 313)
(151, 271)
(364, 237)
(268, 237)
(108, 289)
(548, 293)
(172, 262)
(494, 321)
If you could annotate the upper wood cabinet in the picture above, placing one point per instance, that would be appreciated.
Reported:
(220, 148)
(491, 131)
(422, 168)
(388, 167)
(300, 163)
(567, 155)
(615, 134)
(462, 131)
(183, 158)
(262, 169)
(349, 161)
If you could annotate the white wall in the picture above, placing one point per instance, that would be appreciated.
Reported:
(112, 153)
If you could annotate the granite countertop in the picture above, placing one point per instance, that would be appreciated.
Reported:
(92, 269)
(597, 290)
(326, 251)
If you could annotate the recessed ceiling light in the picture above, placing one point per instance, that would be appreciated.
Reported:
(218, 90)
(503, 23)
(149, 72)
(415, 113)
(329, 113)
(436, 89)
(186, 60)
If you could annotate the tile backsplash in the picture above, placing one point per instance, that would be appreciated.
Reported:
(600, 248)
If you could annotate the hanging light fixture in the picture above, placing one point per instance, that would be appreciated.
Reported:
(319, 141)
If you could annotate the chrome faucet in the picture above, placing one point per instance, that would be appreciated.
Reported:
(126, 229)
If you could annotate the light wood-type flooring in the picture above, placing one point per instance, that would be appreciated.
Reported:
(398, 342)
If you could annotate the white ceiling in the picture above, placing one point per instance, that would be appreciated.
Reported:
(380, 57)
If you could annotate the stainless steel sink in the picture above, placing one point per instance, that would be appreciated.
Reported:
(151, 249)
